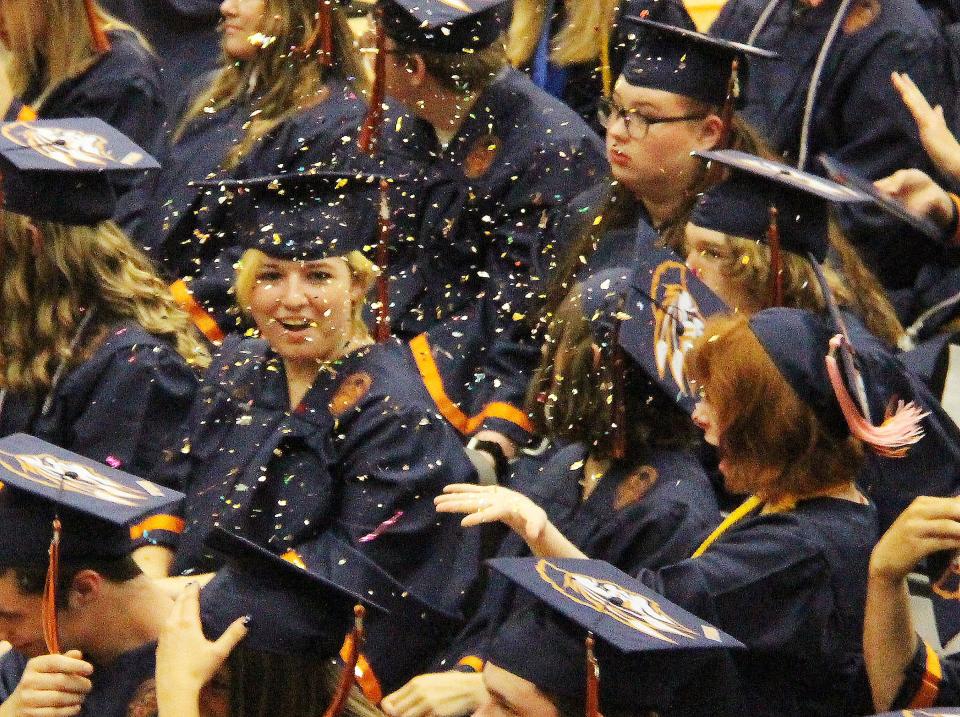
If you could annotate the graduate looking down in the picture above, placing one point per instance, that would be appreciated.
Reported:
(311, 429)
(83, 621)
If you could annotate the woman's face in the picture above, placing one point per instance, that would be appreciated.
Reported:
(653, 161)
(705, 417)
(710, 256)
(241, 19)
(304, 309)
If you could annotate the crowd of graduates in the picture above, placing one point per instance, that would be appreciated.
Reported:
(427, 358)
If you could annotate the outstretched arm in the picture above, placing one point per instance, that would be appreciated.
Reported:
(490, 504)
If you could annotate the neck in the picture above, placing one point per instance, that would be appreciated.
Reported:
(663, 210)
(843, 491)
(301, 375)
(445, 111)
(138, 610)
(593, 470)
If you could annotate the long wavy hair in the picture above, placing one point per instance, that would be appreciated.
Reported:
(49, 281)
(747, 263)
(40, 61)
(588, 25)
(571, 394)
(281, 80)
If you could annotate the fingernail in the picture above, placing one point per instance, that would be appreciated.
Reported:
(247, 619)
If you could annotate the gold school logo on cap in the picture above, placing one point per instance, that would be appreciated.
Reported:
(623, 605)
(458, 5)
(677, 321)
(69, 147)
(51, 471)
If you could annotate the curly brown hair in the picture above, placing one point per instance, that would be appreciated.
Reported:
(771, 442)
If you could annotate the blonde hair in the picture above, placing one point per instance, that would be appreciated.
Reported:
(46, 283)
(362, 270)
(292, 81)
(588, 26)
(852, 284)
(63, 51)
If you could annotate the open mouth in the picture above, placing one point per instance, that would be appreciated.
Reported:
(295, 324)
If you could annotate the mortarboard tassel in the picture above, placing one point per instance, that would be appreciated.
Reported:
(369, 132)
(775, 278)
(726, 113)
(322, 34)
(901, 426)
(382, 332)
(51, 631)
(101, 43)
(593, 680)
(356, 639)
(619, 448)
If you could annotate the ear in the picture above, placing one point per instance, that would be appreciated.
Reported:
(417, 68)
(86, 588)
(711, 129)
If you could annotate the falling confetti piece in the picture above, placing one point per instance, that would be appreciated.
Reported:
(382, 528)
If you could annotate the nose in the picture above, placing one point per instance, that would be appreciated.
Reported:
(699, 416)
(693, 264)
(617, 128)
(293, 295)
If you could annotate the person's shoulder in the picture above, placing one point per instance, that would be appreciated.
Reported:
(534, 113)
(129, 60)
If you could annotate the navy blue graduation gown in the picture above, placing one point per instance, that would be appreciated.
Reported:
(470, 278)
(858, 117)
(122, 87)
(617, 523)
(791, 586)
(121, 406)
(360, 458)
(118, 688)
(182, 32)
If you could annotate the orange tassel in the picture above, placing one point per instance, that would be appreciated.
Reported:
(775, 279)
(901, 426)
(322, 35)
(382, 332)
(726, 114)
(101, 43)
(347, 680)
(370, 131)
(593, 680)
(51, 632)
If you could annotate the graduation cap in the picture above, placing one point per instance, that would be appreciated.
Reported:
(666, 309)
(851, 178)
(306, 216)
(634, 628)
(58, 506)
(690, 63)
(446, 26)
(61, 170)
(803, 346)
(293, 610)
(925, 712)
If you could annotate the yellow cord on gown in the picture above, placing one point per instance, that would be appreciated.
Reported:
(745, 508)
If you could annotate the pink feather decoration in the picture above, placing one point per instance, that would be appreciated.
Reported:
(901, 426)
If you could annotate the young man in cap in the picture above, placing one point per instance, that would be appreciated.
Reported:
(501, 155)
(105, 615)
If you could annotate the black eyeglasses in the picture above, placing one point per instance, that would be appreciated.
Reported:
(635, 124)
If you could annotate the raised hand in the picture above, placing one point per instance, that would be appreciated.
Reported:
(51, 686)
(938, 141)
(490, 504)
